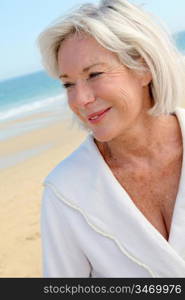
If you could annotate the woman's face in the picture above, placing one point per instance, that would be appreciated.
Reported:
(107, 96)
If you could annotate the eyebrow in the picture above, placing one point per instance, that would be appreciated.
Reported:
(86, 69)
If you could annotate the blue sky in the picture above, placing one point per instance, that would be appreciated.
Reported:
(21, 21)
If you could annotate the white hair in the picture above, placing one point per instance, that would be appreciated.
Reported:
(131, 33)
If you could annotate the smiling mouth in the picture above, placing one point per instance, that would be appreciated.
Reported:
(96, 117)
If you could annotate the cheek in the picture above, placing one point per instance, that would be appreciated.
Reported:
(70, 100)
(102, 90)
(109, 87)
(73, 107)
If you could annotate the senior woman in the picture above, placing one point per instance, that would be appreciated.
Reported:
(115, 207)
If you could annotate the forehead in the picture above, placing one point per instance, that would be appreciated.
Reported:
(80, 50)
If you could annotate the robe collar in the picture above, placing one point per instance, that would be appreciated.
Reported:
(90, 187)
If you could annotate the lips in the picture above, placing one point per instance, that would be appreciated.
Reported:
(98, 115)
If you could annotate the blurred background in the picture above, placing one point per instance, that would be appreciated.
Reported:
(36, 131)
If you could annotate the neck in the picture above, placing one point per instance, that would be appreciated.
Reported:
(143, 143)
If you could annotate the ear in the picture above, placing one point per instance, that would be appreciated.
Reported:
(146, 78)
(145, 75)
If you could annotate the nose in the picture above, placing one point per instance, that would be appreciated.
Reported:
(82, 94)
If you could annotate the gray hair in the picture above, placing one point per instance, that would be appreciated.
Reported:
(131, 33)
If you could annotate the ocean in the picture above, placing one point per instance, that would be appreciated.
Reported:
(25, 96)
(37, 93)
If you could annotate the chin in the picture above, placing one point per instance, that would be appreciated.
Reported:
(103, 137)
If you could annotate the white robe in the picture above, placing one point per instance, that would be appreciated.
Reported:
(91, 228)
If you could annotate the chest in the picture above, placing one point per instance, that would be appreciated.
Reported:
(153, 192)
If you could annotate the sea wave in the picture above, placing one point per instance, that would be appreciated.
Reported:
(51, 104)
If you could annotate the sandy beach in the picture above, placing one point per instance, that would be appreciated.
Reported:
(21, 192)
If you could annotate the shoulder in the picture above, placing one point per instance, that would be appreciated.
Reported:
(77, 161)
(73, 179)
(180, 114)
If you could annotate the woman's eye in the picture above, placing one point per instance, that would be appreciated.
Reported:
(91, 75)
(95, 74)
(67, 85)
